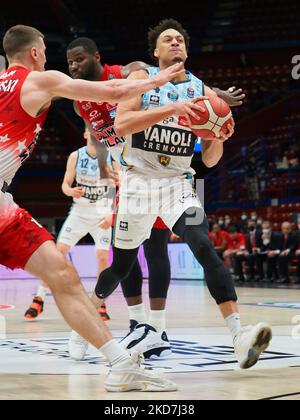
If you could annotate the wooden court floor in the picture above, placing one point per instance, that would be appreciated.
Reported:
(34, 363)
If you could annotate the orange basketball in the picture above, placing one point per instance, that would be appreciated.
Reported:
(216, 118)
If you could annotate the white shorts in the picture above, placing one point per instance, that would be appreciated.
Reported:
(143, 199)
(79, 223)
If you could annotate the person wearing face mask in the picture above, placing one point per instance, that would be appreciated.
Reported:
(297, 233)
(219, 239)
(289, 245)
(221, 223)
(259, 223)
(253, 216)
(227, 221)
(244, 223)
(268, 250)
(247, 255)
(236, 245)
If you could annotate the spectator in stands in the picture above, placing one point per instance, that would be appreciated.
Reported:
(236, 244)
(253, 216)
(220, 239)
(289, 245)
(244, 223)
(248, 254)
(297, 233)
(212, 219)
(221, 223)
(268, 250)
(227, 222)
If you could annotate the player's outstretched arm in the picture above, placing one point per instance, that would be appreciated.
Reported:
(56, 84)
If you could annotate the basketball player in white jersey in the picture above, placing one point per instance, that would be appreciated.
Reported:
(158, 182)
(91, 213)
(26, 94)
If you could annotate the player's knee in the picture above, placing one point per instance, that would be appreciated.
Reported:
(60, 276)
(196, 238)
(103, 262)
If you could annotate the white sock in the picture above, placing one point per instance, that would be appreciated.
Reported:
(138, 313)
(42, 292)
(114, 353)
(157, 319)
(234, 324)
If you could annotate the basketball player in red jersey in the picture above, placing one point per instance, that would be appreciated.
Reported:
(26, 92)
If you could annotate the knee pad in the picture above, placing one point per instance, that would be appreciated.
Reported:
(107, 284)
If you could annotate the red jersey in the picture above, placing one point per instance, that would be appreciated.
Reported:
(101, 116)
(237, 243)
(217, 239)
(18, 134)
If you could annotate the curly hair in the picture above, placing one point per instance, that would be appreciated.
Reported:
(165, 24)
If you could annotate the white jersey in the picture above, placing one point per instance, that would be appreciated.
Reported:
(88, 178)
(165, 149)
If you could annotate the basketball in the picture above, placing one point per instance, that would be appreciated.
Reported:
(216, 118)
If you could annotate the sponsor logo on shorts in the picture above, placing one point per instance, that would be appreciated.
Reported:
(105, 240)
(164, 160)
(185, 197)
(124, 226)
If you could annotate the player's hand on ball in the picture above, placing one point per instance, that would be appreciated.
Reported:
(106, 223)
(77, 192)
(164, 76)
(189, 108)
(225, 135)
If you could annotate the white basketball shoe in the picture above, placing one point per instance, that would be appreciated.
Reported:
(134, 334)
(130, 375)
(147, 341)
(250, 343)
(78, 347)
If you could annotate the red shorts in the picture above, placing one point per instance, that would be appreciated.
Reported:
(159, 224)
(20, 239)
